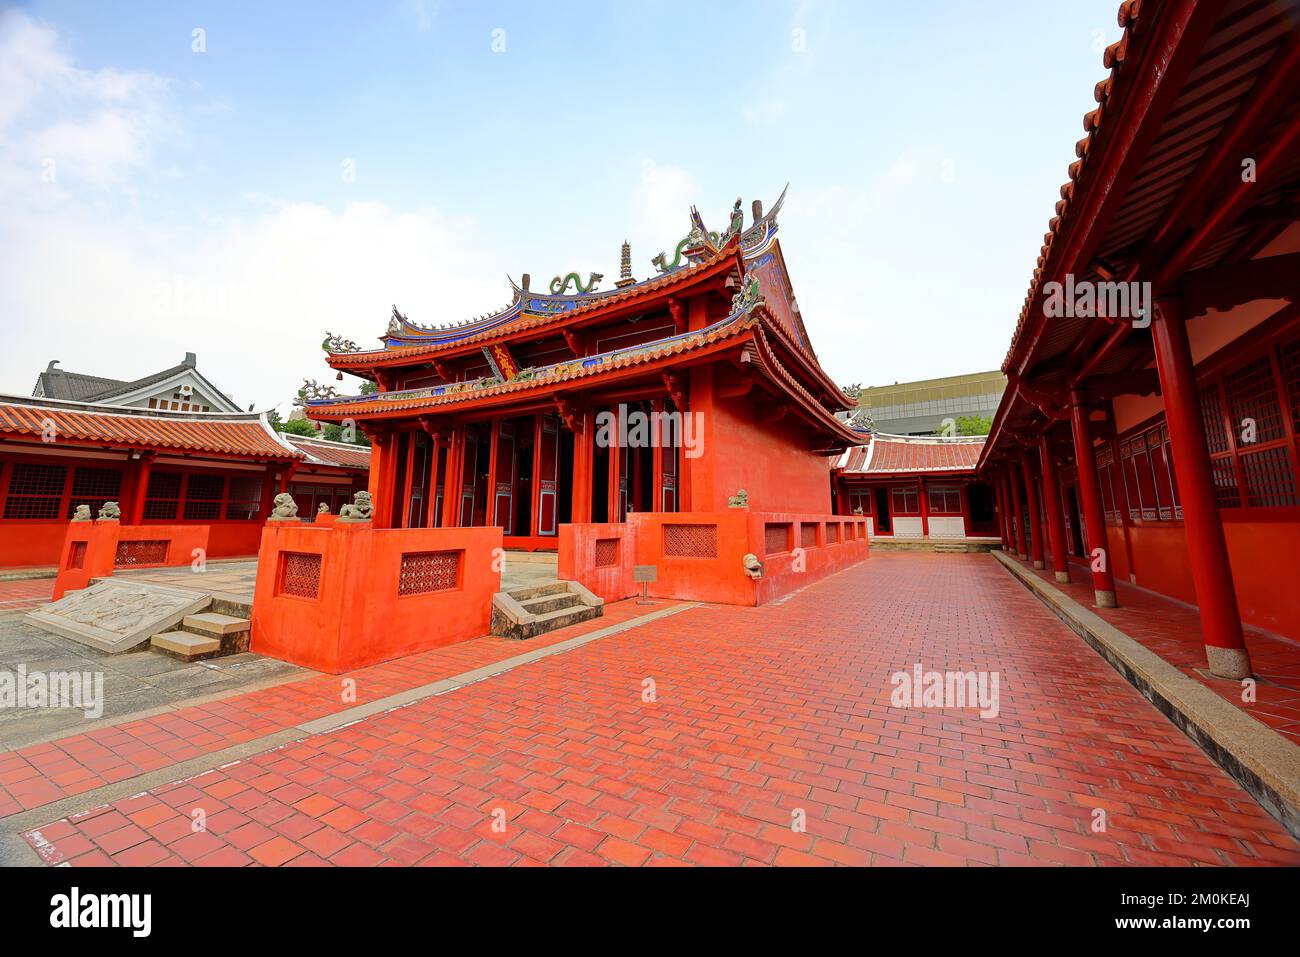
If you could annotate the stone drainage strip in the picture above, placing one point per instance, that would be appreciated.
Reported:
(16, 852)
(1262, 761)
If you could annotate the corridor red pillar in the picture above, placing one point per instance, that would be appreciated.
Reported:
(1019, 512)
(1002, 509)
(1052, 505)
(1035, 522)
(1207, 550)
(1007, 529)
(1103, 582)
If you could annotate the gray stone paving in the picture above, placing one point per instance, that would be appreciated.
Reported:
(133, 682)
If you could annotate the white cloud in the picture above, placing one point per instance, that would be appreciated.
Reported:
(662, 199)
(109, 119)
(88, 281)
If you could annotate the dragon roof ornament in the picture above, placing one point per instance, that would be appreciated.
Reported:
(568, 292)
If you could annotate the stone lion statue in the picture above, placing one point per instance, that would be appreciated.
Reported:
(739, 500)
(323, 508)
(82, 514)
(753, 567)
(110, 512)
(362, 509)
(285, 510)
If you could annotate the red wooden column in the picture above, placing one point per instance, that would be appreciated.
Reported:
(454, 481)
(1103, 581)
(1002, 509)
(1207, 550)
(1018, 506)
(925, 507)
(1052, 504)
(582, 458)
(134, 513)
(1035, 522)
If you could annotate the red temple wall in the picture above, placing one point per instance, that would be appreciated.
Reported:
(770, 460)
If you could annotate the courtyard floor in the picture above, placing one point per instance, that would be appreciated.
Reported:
(769, 738)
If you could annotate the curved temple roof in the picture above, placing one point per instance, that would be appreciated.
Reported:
(245, 434)
(529, 307)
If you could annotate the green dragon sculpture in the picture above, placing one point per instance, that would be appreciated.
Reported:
(660, 262)
(561, 283)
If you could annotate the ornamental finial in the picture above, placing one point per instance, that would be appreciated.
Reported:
(625, 267)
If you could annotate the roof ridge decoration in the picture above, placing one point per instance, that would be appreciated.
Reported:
(695, 247)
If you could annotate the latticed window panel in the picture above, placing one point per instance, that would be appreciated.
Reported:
(94, 487)
(245, 500)
(1226, 494)
(424, 572)
(300, 574)
(1269, 478)
(203, 497)
(776, 537)
(832, 532)
(1289, 354)
(691, 541)
(1252, 394)
(35, 491)
(130, 554)
(1216, 436)
(808, 535)
(77, 555)
(163, 495)
(606, 552)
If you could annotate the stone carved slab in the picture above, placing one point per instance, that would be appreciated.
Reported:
(116, 616)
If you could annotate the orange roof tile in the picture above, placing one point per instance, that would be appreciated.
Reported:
(886, 454)
(239, 434)
(323, 452)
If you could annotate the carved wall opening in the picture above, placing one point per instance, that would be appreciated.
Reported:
(77, 556)
(300, 574)
(690, 541)
(424, 572)
(808, 534)
(606, 552)
(776, 537)
(130, 554)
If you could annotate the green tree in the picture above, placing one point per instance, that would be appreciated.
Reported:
(974, 424)
(299, 427)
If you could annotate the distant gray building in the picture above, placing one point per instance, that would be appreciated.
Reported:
(919, 408)
(180, 388)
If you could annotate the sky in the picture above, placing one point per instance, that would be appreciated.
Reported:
(236, 179)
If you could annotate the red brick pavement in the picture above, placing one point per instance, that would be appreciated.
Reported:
(1172, 630)
(759, 714)
(43, 773)
(25, 593)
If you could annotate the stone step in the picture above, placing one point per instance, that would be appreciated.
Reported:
(551, 620)
(539, 591)
(186, 645)
(214, 624)
(539, 606)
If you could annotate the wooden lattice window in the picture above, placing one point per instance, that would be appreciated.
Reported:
(424, 572)
(1249, 417)
(690, 541)
(163, 497)
(776, 537)
(94, 487)
(300, 574)
(35, 491)
(808, 535)
(203, 495)
(131, 554)
(905, 500)
(944, 500)
(606, 552)
(245, 499)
